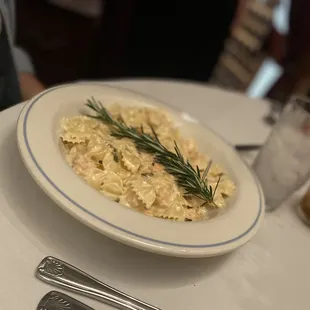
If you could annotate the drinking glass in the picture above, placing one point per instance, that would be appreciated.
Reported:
(283, 164)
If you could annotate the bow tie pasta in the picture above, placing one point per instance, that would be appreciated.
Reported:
(121, 172)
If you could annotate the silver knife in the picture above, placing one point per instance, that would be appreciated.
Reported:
(59, 273)
(247, 147)
(59, 301)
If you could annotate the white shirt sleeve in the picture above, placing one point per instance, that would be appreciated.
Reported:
(22, 60)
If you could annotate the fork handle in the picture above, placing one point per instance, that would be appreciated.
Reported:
(57, 300)
(62, 274)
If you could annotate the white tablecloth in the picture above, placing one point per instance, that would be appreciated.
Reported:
(270, 272)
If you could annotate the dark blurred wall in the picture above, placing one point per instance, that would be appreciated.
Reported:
(169, 39)
(61, 43)
(172, 39)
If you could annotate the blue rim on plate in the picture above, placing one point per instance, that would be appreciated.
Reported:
(213, 245)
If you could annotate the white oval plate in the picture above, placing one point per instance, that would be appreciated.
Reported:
(38, 144)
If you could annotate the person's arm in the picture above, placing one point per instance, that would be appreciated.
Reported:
(295, 62)
(29, 84)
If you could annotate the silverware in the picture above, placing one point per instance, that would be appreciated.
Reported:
(247, 147)
(59, 273)
(59, 301)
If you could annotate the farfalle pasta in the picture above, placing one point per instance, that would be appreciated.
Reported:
(121, 172)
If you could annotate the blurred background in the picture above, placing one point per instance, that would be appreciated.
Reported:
(257, 47)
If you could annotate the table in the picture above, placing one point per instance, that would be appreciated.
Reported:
(270, 272)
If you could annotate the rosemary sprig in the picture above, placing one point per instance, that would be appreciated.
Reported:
(174, 163)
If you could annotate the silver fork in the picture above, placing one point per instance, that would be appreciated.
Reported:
(59, 301)
(62, 274)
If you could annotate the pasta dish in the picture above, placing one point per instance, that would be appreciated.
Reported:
(122, 172)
